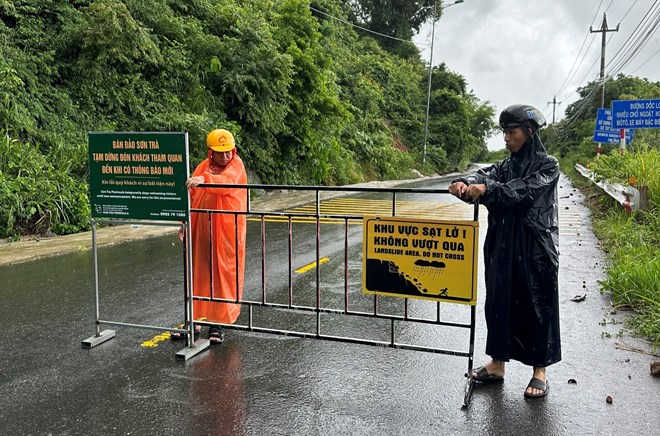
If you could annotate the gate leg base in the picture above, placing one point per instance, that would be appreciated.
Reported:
(469, 384)
(188, 352)
(93, 341)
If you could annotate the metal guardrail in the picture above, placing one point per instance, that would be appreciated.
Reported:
(627, 196)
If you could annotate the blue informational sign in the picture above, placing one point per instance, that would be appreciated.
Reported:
(605, 133)
(636, 114)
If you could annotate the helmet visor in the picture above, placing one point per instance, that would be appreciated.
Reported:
(511, 124)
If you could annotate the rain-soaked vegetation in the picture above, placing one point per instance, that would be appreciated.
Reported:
(309, 98)
(633, 241)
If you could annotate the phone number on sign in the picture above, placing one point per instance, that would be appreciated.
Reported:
(173, 214)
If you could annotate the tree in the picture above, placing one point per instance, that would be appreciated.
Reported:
(396, 18)
(310, 99)
(574, 134)
(459, 123)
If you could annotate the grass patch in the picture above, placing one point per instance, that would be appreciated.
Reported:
(632, 242)
(633, 275)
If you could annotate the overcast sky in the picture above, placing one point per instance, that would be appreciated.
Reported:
(517, 51)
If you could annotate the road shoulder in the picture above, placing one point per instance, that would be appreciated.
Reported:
(34, 247)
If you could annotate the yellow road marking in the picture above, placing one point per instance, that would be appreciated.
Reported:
(312, 265)
(153, 342)
(361, 207)
(570, 221)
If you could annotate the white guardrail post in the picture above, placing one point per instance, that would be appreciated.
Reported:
(626, 196)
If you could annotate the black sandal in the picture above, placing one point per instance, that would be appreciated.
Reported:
(483, 376)
(538, 384)
(216, 335)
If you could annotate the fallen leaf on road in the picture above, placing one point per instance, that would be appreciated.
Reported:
(655, 368)
(579, 297)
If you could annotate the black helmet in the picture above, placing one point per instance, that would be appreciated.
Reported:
(522, 115)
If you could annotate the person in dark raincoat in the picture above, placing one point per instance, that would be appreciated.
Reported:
(521, 251)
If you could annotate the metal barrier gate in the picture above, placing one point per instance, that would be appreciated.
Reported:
(349, 303)
(319, 212)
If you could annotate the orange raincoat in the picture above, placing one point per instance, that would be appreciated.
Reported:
(224, 258)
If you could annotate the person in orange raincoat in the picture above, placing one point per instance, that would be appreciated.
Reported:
(215, 246)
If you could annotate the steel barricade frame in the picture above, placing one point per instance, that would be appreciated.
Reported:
(136, 176)
(316, 217)
(193, 347)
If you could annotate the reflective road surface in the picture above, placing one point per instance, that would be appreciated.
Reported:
(261, 384)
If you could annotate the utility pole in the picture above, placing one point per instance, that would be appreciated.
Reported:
(428, 90)
(554, 104)
(603, 30)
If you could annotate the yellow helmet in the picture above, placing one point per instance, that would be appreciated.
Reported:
(220, 140)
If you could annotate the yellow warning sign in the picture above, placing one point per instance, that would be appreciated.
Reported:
(425, 259)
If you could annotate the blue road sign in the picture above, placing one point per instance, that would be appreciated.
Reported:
(605, 133)
(636, 114)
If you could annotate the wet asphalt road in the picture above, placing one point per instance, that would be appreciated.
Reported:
(258, 384)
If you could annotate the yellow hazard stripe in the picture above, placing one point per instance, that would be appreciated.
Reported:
(311, 265)
(358, 207)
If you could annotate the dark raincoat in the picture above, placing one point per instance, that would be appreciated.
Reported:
(521, 256)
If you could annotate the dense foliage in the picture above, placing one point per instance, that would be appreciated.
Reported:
(633, 276)
(310, 98)
(400, 19)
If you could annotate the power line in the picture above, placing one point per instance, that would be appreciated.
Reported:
(640, 37)
(607, 8)
(628, 11)
(583, 80)
(646, 61)
(593, 20)
(580, 83)
(583, 104)
(568, 76)
(625, 48)
(364, 28)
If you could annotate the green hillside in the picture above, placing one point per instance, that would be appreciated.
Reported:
(310, 97)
